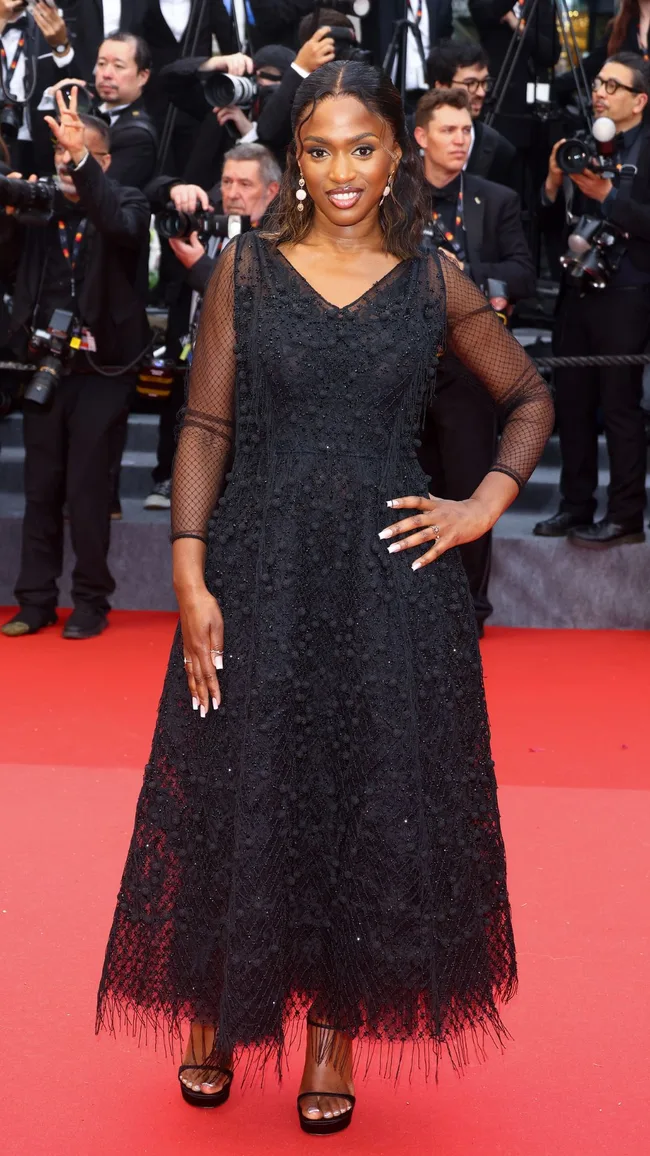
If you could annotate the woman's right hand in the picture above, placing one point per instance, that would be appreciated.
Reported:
(202, 630)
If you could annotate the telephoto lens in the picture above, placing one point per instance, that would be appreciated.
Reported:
(573, 156)
(27, 196)
(173, 225)
(221, 90)
(44, 381)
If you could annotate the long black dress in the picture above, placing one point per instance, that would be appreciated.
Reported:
(330, 836)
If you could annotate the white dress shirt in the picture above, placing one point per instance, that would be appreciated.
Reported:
(112, 16)
(15, 81)
(176, 14)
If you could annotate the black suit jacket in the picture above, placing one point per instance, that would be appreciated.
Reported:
(134, 147)
(114, 291)
(496, 243)
(378, 26)
(492, 156)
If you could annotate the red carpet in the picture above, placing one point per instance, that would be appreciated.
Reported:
(569, 713)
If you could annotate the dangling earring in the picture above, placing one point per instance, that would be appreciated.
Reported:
(388, 190)
(301, 195)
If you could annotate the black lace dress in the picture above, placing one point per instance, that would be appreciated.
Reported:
(330, 836)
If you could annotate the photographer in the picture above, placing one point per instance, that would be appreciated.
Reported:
(249, 182)
(227, 95)
(614, 319)
(317, 47)
(464, 64)
(89, 258)
(479, 223)
(35, 53)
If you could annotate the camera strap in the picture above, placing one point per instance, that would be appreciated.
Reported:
(9, 69)
(71, 254)
(459, 225)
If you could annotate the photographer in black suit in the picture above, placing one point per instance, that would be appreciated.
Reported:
(35, 53)
(91, 260)
(464, 64)
(481, 225)
(430, 20)
(614, 319)
(250, 180)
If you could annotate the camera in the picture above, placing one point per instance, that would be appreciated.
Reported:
(49, 348)
(346, 46)
(173, 224)
(11, 118)
(595, 251)
(594, 150)
(222, 90)
(32, 200)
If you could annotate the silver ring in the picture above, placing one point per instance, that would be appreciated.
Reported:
(435, 529)
(216, 652)
(187, 662)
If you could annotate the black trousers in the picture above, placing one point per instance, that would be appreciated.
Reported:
(68, 455)
(457, 451)
(602, 321)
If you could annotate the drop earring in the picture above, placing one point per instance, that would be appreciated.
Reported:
(388, 189)
(301, 195)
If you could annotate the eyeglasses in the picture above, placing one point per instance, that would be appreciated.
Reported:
(610, 85)
(472, 84)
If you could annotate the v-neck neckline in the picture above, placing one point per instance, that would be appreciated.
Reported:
(376, 285)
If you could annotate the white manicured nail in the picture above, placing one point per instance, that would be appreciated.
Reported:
(386, 534)
(393, 549)
(390, 504)
(215, 704)
(195, 704)
(416, 566)
(203, 711)
(218, 661)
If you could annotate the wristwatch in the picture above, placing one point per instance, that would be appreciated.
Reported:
(61, 49)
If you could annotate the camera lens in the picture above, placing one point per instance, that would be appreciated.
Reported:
(222, 90)
(572, 156)
(41, 387)
(173, 224)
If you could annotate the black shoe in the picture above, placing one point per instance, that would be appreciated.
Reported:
(559, 525)
(84, 623)
(604, 534)
(28, 620)
(205, 1099)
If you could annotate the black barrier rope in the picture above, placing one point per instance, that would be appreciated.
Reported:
(597, 360)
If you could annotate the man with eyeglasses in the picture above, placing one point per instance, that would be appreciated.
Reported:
(89, 259)
(464, 64)
(613, 320)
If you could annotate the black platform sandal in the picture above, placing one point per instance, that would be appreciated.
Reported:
(325, 1127)
(205, 1099)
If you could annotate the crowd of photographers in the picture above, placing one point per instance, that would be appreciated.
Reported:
(166, 123)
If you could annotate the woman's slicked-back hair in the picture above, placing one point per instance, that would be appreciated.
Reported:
(402, 215)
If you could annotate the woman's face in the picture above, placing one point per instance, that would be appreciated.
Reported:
(346, 154)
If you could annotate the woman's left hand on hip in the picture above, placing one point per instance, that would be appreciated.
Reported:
(441, 523)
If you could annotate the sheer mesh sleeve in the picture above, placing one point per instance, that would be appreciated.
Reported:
(481, 342)
(207, 430)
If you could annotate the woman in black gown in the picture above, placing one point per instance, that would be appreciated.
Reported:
(321, 833)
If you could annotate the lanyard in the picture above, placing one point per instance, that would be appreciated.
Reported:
(416, 11)
(459, 223)
(8, 70)
(643, 51)
(72, 258)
